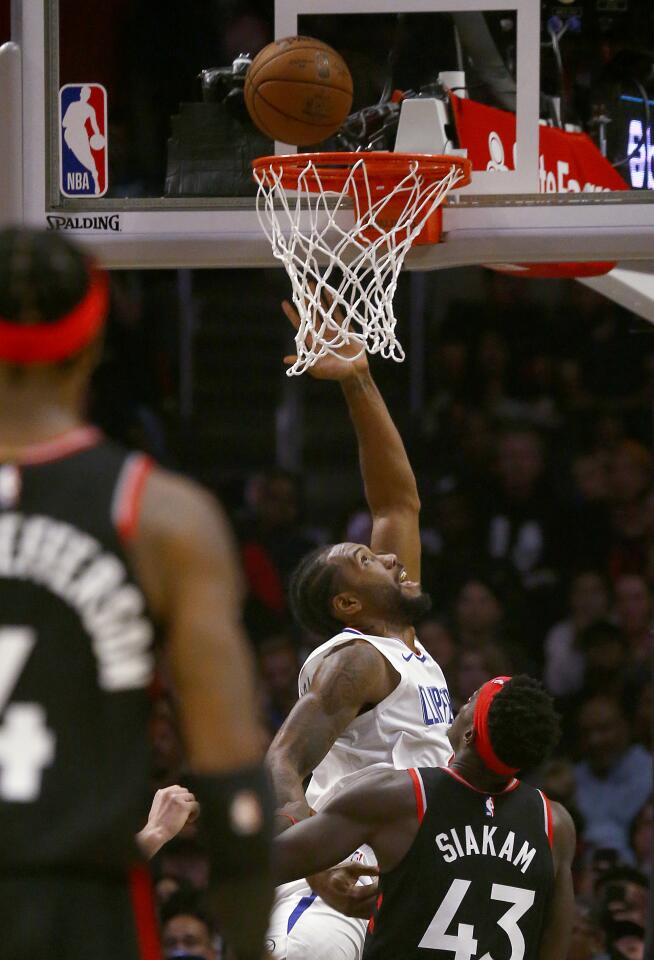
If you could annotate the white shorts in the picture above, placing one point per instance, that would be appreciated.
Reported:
(303, 927)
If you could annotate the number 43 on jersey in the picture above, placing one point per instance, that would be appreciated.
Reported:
(462, 943)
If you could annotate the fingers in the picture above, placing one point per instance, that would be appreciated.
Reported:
(178, 795)
(291, 313)
(364, 891)
(361, 869)
(194, 811)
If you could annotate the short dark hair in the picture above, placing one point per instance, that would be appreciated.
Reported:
(186, 903)
(600, 632)
(311, 589)
(42, 275)
(522, 723)
(622, 873)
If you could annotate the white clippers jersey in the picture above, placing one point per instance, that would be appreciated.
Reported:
(407, 729)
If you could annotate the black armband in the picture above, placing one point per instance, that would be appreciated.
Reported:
(236, 811)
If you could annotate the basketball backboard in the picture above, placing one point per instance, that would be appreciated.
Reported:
(144, 74)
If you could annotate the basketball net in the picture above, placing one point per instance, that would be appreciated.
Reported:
(342, 228)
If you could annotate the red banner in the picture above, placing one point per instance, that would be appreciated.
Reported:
(567, 163)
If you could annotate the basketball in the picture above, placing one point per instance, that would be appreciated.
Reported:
(97, 141)
(298, 90)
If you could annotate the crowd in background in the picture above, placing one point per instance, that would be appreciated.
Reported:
(535, 465)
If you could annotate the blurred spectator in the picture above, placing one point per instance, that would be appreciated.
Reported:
(634, 608)
(588, 533)
(438, 640)
(523, 524)
(476, 445)
(184, 860)
(642, 717)
(631, 471)
(606, 656)
(272, 544)
(450, 540)
(641, 837)
(537, 403)
(558, 781)
(186, 930)
(591, 477)
(473, 668)
(478, 615)
(165, 887)
(491, 371)
(622, 896)
(608, 431)
(588, 938)
(614, 779)
(564, 660)
(450, 373)
(279, 669)
(573, 395)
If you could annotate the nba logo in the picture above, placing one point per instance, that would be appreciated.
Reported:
(83, 140)
(490, 807)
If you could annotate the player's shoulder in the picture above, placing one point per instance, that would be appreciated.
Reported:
(347, 645)
(172, 502)
(178, 516)
(563, 824)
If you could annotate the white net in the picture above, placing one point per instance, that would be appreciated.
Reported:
(344, 278)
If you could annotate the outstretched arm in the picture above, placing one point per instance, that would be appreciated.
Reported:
(354, 675)
(186, 562)
(381, 811)
(388, 479)
(558, 924)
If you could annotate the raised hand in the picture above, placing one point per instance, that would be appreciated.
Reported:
(172, 808)
(329, 367)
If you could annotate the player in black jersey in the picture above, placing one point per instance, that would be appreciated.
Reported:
(100, 551)
(473, 863)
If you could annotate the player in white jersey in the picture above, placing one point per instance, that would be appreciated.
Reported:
(370, 697)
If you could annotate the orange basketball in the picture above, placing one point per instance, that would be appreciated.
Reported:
(298, 90)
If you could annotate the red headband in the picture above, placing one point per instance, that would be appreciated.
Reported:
(483, 745)
(50, 342)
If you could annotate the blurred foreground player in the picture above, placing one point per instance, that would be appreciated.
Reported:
(96, 547)
(474, 863)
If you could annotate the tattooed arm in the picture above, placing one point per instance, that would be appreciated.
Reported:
(350, 678)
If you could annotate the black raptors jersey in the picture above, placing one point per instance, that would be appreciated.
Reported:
(476, 881)
(76, 658)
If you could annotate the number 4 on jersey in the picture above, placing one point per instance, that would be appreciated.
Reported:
(26, 744)
(462, 943)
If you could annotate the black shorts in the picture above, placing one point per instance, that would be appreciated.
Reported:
(68, 917)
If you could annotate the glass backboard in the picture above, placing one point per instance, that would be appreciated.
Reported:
(132, 137)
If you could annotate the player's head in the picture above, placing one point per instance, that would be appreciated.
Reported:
(348, 585)
(85, 93)
(53, 304)
(186, 928)
(509, 723)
